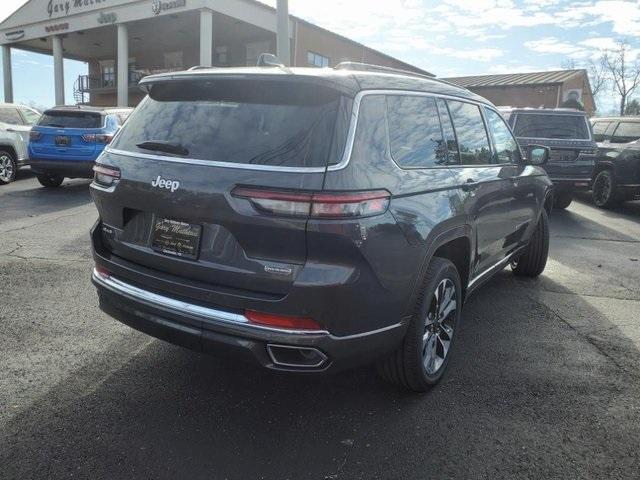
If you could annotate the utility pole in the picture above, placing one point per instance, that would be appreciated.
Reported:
(282, 37)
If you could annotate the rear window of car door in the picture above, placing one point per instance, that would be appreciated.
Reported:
(601, 131)
(473, 142)
(507, 150)
(626, 132)
(415, 135)
(10, 116)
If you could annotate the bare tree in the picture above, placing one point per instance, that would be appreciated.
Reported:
(597, 77)
(624, 71)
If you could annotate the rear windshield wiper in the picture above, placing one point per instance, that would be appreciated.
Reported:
(55, 125)
(162, 146)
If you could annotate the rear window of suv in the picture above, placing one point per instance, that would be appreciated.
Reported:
(257, 122)
(63, 119)
(539, 125)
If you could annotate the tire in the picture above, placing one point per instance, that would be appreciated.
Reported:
(563, 200)
(532, 262)
(50, 181)
(422, 358)
(604, 192)
(8, 167)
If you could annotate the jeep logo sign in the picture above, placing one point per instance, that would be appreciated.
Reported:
(160, 182)
(159, 6)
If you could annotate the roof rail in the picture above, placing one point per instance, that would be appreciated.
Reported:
(367, 67)
(200, 67)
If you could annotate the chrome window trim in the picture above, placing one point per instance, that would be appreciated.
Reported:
(346, 156)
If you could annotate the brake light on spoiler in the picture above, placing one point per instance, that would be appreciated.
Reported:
(315, 204)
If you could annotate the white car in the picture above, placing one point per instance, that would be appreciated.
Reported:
(15, 123)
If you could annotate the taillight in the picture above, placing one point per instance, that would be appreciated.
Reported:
(97, 138)
(105, 176)
(316, 204)
(34, 136)
(282, 321)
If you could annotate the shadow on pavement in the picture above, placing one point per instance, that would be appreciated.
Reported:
(526, 395)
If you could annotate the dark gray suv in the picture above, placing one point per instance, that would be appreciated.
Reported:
(313, 219)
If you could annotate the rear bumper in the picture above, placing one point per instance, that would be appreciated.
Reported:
(63, 168)
(573, 183)
(229, 334)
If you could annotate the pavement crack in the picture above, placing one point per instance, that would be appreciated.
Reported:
(588, 339)
(596, 239)
(25, 227)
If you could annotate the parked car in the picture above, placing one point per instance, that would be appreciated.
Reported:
(617, 173)
(67, 140)
(313, 219)
(567, 133)
(15, 123)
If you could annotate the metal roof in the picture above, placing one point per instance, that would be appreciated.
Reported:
(510, 79)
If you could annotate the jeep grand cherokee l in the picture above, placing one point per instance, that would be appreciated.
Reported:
(617, 174)
(567, 133)
(313, 219)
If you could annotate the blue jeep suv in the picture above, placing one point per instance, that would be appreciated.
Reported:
(67, 140)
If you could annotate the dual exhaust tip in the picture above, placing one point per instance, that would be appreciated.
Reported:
(297, 357)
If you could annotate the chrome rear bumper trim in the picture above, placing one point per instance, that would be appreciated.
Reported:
(180, 307)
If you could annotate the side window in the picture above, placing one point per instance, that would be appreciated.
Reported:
(471, 133)
(507, 150)
(448, 133)
(10, 116)
(599, 131)
(31, 117)
(415, 136)
(626, 132)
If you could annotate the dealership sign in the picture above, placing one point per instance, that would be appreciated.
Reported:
(67, 7)
(159, 6)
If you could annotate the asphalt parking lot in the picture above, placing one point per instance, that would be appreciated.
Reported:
(544, 384)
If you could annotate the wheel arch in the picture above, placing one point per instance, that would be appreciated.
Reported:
(10, 149)
(455, 244)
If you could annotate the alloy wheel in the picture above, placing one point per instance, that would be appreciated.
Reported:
(6, 168)
(602, 189)
(439, 326)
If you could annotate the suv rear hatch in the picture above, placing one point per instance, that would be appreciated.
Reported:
(567, 135)
(67, 134)
(184, 159)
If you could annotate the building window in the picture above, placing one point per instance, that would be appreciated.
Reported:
(221, 56)
(317, 60)
(108, 74)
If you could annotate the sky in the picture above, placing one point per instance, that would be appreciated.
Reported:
(446, 37)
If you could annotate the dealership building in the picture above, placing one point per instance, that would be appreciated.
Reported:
(124, 40)
(551, 89)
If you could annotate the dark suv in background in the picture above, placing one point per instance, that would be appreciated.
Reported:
(617, 173)
(313, 219)
(567, 133)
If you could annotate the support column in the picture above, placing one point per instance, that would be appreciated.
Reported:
(6, 74)
(282, 36)
(58, 69)
(123, 66)
(206, 38)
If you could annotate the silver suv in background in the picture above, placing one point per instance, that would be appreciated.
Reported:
(15, 123)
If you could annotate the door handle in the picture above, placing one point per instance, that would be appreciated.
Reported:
(12, 130)
(470, 185)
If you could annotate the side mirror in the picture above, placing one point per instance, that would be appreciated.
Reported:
(537, 154)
